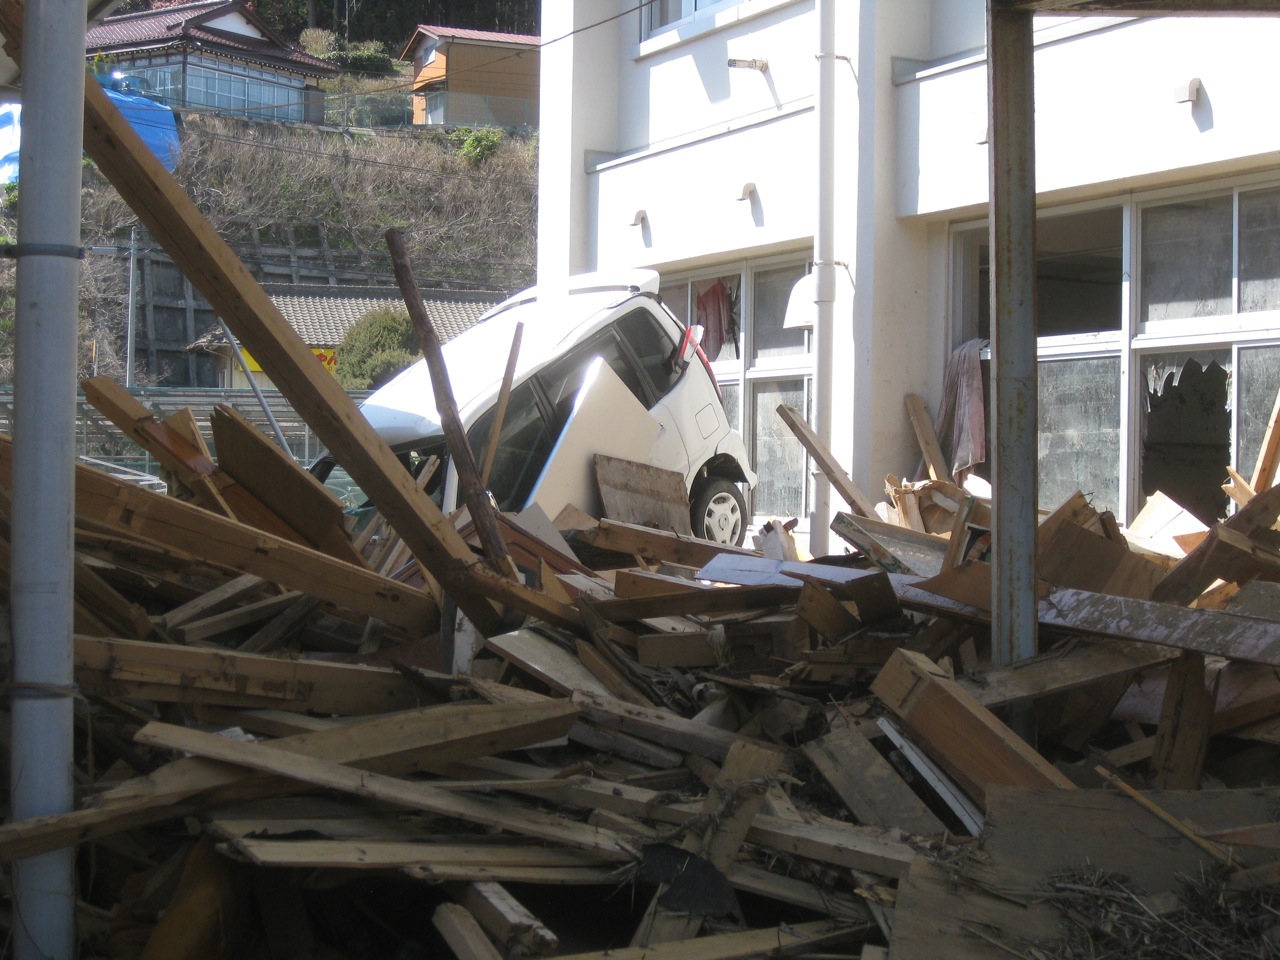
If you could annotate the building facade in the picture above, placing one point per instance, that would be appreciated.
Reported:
(684, 136)
(474, 77)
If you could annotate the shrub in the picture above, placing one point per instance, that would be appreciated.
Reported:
(378, 346)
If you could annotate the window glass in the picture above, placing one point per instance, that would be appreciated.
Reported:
(772, 290)
(1187, 259)
(524, 444)
(1260, 250)
(1258, 384)
(1079, 430)
(653, 348)
(780, 459)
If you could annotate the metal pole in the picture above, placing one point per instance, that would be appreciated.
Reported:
(132, 312)
(253, 385)
(824, 269)
(48, 282)
(1013, 327)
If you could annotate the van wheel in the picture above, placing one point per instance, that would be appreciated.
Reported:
(718, 512)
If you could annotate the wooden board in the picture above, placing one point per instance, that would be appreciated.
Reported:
(969, 742)
(869, 786)
(832, 470)
(896, 549)
(543, 659)
(639, 493)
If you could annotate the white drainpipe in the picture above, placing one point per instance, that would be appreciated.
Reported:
(824, 268)
(48, 274)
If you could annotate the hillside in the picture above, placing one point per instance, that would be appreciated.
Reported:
(466, 203)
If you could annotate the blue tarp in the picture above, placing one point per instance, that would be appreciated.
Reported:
(153, 122)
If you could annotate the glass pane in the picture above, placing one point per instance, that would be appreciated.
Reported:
(654, 349)
(1080, 431)
(1260, 250)
(780, 460)
(1186, 430)
(676, 298)
(731, 393)
(1079, 268)
(1259, 382)
(1186, 260)
(523, 447)
(717, 308)
(772, 291)
(562, 379)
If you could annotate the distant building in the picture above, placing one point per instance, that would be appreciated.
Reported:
(474, 77)
(215, 55)
(322, 316)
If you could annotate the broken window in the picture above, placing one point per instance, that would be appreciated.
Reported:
(1080, 430)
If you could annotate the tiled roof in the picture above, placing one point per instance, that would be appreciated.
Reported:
(185, 23)
(483, 36)
(322, 315)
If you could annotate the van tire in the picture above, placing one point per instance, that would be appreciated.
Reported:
(718, 512)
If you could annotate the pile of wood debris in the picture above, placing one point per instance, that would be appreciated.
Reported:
(705, 752)
(640, 745)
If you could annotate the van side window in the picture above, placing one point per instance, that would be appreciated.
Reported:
(523, 447)
(562, 379)
(653, 348)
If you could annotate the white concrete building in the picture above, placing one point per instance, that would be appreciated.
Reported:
(682, 135)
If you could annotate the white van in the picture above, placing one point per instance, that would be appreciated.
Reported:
(617, 318)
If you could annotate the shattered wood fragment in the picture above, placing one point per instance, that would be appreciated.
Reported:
(412, 794)
(787, 940)
(724, 600)
(169, 673)
(656, 545)
(1182, 738)
(225, 595)
(463, 934)
(1235, 717)
(246, 614)
(922, 424)
(639, 493)
(832, 470)
(274, 478)
(896, 549)
(965, 738)
(130, 510)
(661, 726)
(731, 805)
(517, 932)
(869, 786)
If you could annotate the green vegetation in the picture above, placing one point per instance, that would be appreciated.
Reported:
(380, 345)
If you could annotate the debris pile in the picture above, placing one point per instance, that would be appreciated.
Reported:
(729, 752)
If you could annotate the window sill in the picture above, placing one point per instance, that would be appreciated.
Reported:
(705, 22)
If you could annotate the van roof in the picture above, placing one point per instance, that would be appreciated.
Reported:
(553, 317)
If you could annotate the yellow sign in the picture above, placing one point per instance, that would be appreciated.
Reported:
(326, 355)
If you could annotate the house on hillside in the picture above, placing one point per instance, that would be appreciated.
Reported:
(474, 77)
(214, 55)
(685, 137)
(322, 316)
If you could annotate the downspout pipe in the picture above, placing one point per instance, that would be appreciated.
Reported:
(824, 268)
(41, 582)
(1014, 390)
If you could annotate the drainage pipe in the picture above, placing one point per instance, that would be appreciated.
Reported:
(48, 275)
(824, 268)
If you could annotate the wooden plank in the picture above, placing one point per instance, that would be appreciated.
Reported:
(1234, 717)
(656, 545)
(832, 618)
(1212, 561)
(463, 934)
(133, 511)
(1264, 468)
(300, 500)
(922, 424)
(896, 549)
(832, 470)
(960, 734)
(1056, 671)
(639, 493)
(377, 853)
(517, 931)
(546, 661)
(867, 784)
(221, 597)
(676, 650)
(403, 742)
(661, 726)
(785, 940)
(241, 616)
(1182, 737)
(189, 674)
(724, 600)
(363, 783)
